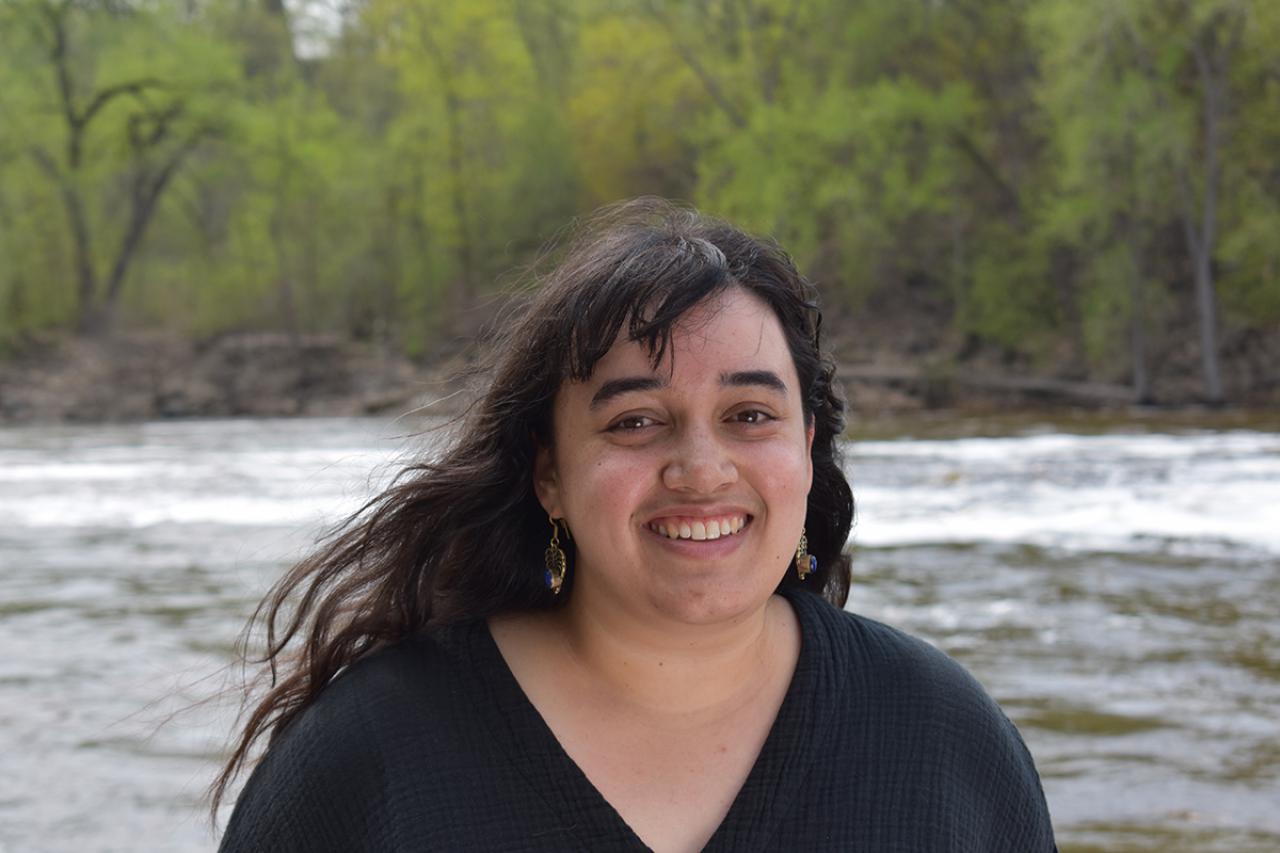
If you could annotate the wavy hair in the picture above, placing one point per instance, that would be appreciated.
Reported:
(460, 535)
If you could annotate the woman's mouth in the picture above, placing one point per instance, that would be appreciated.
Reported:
(699, 529)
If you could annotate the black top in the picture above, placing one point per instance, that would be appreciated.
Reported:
(882, 743)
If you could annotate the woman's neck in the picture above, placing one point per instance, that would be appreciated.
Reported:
(676, 669)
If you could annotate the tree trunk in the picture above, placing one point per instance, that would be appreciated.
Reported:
(1212, 55)
(1212, 68)
(86, 275)
(93, 312)
(1138, 333)
(87, 319)
(1206, 305)
(464, 294)
(144, 198)
(1128, 226)
(81, 245)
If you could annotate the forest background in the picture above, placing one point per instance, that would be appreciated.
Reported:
(1070, 199)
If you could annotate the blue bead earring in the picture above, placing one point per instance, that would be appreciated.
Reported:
(806, 563)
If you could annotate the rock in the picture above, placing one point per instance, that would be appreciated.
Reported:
(139, 376)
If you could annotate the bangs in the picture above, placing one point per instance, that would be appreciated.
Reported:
(646, 291)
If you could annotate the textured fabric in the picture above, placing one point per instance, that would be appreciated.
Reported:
(882, 744)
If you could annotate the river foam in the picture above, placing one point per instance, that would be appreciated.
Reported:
(1068, 491)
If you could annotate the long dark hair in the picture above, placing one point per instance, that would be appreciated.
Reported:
(460, 536)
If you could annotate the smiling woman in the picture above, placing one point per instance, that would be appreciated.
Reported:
(606, 617)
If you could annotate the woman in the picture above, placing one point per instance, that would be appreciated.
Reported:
(606, 616)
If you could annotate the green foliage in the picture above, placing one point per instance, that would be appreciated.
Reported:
(1030, 163)
(1250, 253)
(631, 113)
(1008, 299)
(1124, 90)
(102, 106)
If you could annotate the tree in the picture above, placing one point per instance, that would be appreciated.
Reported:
(119, 132)
(1144, 96)
(1212, 38)
(478, 149)
(1107, 122)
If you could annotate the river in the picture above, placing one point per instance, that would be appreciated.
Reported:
(1118, 593)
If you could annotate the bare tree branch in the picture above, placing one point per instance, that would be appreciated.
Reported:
(708, 81)
(86, 276)
(145, 197)
(105, 96)
(988, 170)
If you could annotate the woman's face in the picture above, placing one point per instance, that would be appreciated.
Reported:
(684, 487)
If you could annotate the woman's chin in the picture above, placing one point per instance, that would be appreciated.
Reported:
(710, 598)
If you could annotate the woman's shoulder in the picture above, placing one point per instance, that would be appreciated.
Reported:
(876, 656)
(328, 773)
(403, 674)
(913, 719)
(416, 678)
(889, 673)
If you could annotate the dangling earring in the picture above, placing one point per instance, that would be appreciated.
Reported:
(806, 563)
(554, 559)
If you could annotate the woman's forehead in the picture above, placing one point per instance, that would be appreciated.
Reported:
(732, 330)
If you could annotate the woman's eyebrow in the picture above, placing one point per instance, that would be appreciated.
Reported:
(627, 384)
(767, 378)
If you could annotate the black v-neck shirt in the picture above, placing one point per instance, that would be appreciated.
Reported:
(882, 744)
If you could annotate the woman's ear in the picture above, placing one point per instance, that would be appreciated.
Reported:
(546, 483)
(809, 433)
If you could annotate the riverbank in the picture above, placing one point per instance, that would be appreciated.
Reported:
(148, 376)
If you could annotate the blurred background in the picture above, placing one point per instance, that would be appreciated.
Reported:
(987, 191)
(1045, 232)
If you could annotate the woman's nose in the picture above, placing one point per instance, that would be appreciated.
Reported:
(699, 463)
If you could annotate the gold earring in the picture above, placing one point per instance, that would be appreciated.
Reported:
(554, 559)
(806, 563)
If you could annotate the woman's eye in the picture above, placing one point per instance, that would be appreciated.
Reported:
(631, 423)
(753, 416)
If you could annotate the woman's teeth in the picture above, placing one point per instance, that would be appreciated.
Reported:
(707, 528)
